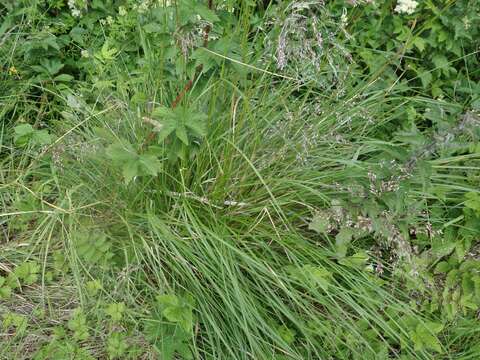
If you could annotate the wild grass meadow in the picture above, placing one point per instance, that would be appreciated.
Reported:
(240, 179)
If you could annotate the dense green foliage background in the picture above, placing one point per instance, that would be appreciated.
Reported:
(239, 179)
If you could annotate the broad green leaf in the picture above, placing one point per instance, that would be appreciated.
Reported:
(442, 267)
(342, 241)
(23, 129)
(181, 133)
(115, 311)
(121, 152)
(52, 66)
(197, 125)
(167, 300)
(419, 43)
(206, 13)
(441, 249)
(129, 170)
(42, 137)
(153, 27)
(150, 164)
(428, 340)
(319, 224)
(64, 78)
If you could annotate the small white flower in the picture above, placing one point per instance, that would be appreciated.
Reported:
(406, 6)
(76, 13)
(85, 53)
(109, 20)
(122, 11)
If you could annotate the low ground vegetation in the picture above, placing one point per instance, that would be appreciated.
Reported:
(231, 179)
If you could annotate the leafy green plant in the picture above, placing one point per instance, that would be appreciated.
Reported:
(93, 248)
(116, 345)
(132, 163)
(93, 287)
(424, 335)
(16, 322)
(174, 335)
(115, 311)
(78, 324)
(5, 289)
(25, 134)
(180, 127)
(27, 272)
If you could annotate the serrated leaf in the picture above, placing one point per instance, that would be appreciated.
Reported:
(153, 27)
(206, 13)
(428, 340)
(23, 129)
(42, 137)
(150, 164)
(167, 300)
(129, 170)
(121, 152)
(419, 43)
(342, 241)
(426, 78)
(64, 78)
(181, 133)
(319, 224)
(197, 126)
(441, 249)
(442, 267)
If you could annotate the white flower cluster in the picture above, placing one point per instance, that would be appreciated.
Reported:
(76, 7)
(143, 6)
(406, 6)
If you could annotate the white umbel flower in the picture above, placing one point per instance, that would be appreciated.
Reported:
(406, 6)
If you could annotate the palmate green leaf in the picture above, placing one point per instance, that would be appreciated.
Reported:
(168, 339)
(167, 300)
(52, 66)
(473, 201)
(441, 248)
(311, 276)
(129, 170)
(205, 13)
(23, 129)
(153, 27)
(41, 137)
(5, 290)
(149, 164)
(468, 286)
(206, 59)
(27, 272)
(121, 152)
(92, 247)
(181, 133)
(442, 267)
(177, 310)
(115, 311)
(181, 121)
(78, 324)
(196, 123)
(166, 130)
(25, 133)
(424, 337)
(163, 113)
(116, 345)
